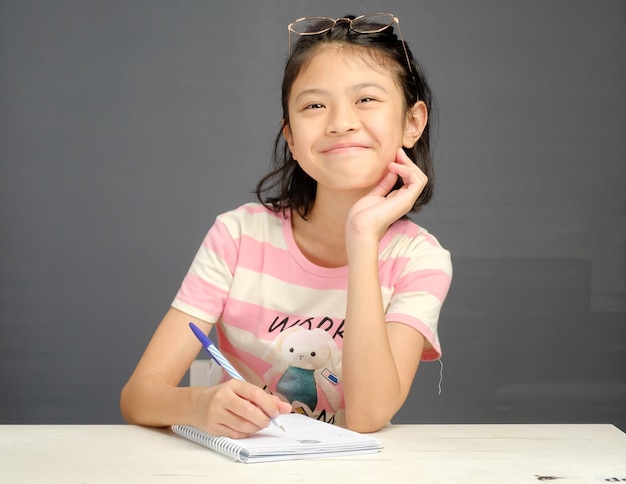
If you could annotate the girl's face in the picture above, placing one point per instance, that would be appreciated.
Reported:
(347, 120)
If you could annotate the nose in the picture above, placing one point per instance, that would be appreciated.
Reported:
(342, 118)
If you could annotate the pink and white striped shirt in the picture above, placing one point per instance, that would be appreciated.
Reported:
(280, 317)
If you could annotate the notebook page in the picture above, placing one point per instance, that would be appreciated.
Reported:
(304, 438)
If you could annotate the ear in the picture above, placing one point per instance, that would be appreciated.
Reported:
(328, 339)
(288, 136)
(416, 120)
(274, 347)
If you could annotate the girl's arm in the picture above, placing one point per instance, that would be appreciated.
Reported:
(379, 359)
(152, 397)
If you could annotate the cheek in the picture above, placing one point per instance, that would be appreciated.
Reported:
(297, 142)
(294, 152)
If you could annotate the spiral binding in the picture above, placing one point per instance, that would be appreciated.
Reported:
(223, 445)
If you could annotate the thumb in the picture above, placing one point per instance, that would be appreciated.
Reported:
(283, 407)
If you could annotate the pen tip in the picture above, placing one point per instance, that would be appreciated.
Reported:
(282, 428)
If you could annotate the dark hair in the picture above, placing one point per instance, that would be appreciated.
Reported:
(287, 185)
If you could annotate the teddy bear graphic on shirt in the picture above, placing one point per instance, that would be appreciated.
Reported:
(307, 362)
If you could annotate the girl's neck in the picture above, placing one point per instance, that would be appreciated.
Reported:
(321, 237)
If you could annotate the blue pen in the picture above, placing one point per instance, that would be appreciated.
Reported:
(223, 362)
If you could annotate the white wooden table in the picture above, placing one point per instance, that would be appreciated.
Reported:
(559, 454)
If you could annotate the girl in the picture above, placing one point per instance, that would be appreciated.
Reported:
(324, 295)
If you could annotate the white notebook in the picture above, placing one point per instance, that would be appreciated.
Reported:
(304, 438)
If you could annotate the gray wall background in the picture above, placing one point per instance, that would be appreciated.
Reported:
(127, 126)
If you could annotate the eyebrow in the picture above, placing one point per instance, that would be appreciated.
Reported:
(355, 87)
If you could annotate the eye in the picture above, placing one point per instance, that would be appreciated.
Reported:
(314, 106)
(366, 99)
(291, 350)
(312, 353)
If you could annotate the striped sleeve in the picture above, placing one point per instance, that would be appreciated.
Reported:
(420, 287)
(205, 288)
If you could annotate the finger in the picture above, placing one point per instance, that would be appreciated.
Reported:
(227, 431)
(410, 175)
(386, 183)
(224, 418)
(236, 426)
(409, 171)
(247, 417)
(403, 158)
(260, 405)
(283, 407)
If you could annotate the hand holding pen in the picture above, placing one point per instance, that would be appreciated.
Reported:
(216, 354)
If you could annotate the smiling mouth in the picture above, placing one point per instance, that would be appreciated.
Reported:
(341, 149)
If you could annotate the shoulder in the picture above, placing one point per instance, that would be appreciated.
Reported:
(407, 232)
(249, 212)
(406, 239)
(249, 215)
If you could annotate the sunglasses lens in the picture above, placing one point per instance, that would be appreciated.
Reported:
(372, 23)
(312, 25)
